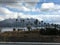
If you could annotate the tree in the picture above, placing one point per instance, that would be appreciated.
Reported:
(36, 22)
(14, 29)
(42, 31)
(52, 24)
(29, 27)
(16, 22)
(23, 21)
(41, 21)
(45, 24)
(55, 25)
(51, 31)
(16, 19)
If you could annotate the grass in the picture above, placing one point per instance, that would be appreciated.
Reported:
(26, 36)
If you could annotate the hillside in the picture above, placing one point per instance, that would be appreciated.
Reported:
(21, 22)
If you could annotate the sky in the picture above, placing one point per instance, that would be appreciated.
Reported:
(46, 10)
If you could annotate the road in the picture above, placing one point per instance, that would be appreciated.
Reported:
(27, 43)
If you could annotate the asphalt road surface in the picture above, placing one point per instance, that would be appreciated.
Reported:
(27, 43)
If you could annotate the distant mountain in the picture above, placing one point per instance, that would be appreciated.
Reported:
(20, 22)
(24, 22)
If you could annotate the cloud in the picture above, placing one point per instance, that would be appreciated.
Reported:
(1, 18)
(25, 9)
(51, 18)
(14, 1)
(46, 18)
(8, 1)
(19, 3)
(22, 5)
(30, 6)
(10, 14)
(50, 6)
(5, 13)
(4, 10)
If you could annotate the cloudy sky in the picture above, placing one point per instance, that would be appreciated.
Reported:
(47, 10)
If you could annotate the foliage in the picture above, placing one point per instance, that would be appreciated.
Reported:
(49, 31)
(29, 27)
